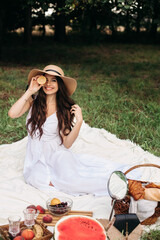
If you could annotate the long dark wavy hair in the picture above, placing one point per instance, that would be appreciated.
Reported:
(39, 111)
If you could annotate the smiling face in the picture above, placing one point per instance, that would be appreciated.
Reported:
(51, 85)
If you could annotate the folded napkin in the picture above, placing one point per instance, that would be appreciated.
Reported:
(143, 208)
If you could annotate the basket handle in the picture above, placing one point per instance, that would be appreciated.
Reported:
(142, 165)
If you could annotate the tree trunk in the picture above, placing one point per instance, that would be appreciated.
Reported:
(156, 11)
(60, 31)
(43, 25)
(43, 31)
(93, 23)
(28, 25)
(113, 29)
(1, 33)
(127, 29)
(138, 17)
(2, 13)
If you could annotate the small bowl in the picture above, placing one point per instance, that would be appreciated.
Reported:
(60, 209)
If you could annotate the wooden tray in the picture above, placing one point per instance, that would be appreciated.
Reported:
(56, 218)
(47, 235)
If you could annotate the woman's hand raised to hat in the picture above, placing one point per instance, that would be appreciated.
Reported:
(76, 110)
(34, 85)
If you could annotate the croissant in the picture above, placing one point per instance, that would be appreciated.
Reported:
(152, 194)
(152, 185)
(136, 190)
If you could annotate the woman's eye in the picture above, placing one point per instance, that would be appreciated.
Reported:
(53, 80)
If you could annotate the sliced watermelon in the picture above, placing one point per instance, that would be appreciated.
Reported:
(79, 227)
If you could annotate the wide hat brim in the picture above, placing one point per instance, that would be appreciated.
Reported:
(70, 83)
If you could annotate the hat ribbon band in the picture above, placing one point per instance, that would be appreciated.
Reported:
(52, 71)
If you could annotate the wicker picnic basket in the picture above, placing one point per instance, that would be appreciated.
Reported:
(122, 206)
(47, 235)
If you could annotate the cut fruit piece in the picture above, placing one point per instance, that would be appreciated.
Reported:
(55, 201)
(41, 80)
(40, 209)
(33, 207)
(79, 227)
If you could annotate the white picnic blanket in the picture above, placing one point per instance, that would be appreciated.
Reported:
(16, 195)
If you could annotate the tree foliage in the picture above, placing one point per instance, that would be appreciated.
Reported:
(85, 16)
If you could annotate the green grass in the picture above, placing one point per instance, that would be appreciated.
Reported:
(118, 86)
(153, 234)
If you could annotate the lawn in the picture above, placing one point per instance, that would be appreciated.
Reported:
(118, 86)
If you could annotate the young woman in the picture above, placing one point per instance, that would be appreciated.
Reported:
(52, 131)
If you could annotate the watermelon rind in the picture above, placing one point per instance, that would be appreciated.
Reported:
(56, 232)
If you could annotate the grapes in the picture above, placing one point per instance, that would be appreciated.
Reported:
(59, 208)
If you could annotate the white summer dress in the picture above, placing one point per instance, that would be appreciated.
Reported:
(77, 174)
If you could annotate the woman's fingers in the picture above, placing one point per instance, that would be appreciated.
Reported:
(34, 85)
(34, 79)
(74, 108)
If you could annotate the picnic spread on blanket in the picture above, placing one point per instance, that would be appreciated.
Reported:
(16, 195)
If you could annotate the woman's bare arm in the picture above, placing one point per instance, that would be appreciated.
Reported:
(71, 137)
(24, 103)
(21, 105)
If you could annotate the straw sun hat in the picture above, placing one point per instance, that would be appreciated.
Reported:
(54, 70)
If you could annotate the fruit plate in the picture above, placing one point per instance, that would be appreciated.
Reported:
(46, 233)
(56, 218)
